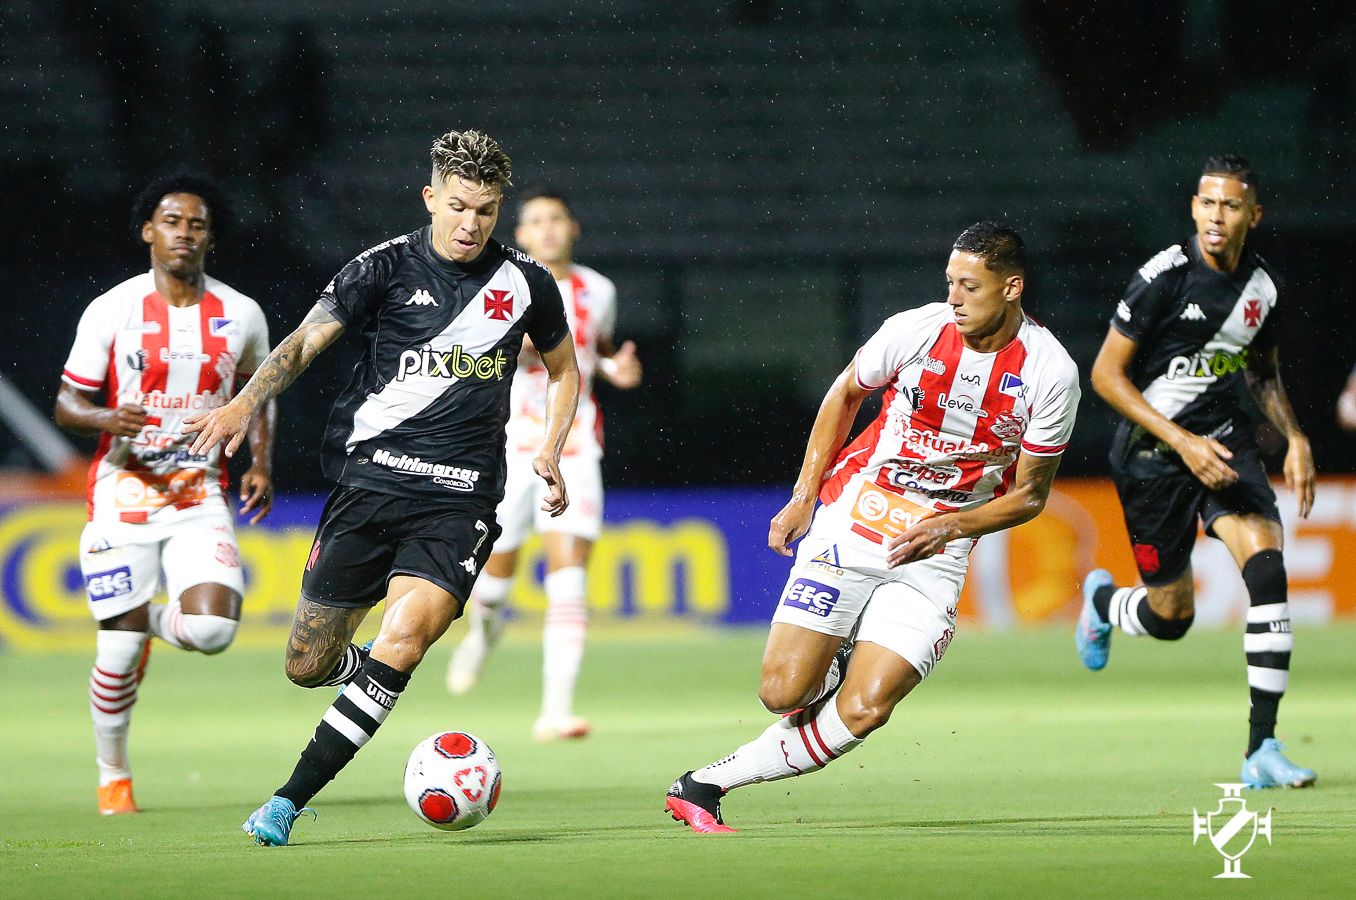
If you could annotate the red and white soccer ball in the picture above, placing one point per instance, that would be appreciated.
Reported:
(452, 780)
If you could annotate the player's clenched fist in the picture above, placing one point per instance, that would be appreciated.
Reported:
(557, 500)
(126, 421)
(790, 525)
(224, 424)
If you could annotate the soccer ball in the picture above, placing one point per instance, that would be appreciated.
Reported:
(452, 780)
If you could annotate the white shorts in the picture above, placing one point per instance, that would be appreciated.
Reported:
(837, 586)
(520, 511)
(122, 563)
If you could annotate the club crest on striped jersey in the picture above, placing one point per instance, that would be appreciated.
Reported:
(1007, 427)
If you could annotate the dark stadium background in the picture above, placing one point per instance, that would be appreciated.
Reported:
(765, 182)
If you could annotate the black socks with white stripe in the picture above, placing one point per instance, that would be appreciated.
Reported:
(1267, 643)
(1128, 609)
(348, 666)
(347, 725)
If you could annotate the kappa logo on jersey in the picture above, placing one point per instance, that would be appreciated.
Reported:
(220, 325)
(1193, 312)
(961, 404)
(469, 564)
(811, 596)
(421, 297)
(1123, 310)
(113, 583)
(455, 363)
(1011, 385)
(499, 305)
(453, 478)
(1252, 313)
(1208, 365)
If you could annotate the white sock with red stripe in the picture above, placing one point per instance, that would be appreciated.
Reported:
(204, 633)
(112, 693)
(795, 745)
(563, 640)
(167, 623)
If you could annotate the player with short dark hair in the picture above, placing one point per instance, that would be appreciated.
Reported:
(158, 346)
(979, 405)
(547, 230)
(1197, 324)
(415, 444)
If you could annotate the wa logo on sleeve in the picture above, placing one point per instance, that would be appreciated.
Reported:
(811, 596)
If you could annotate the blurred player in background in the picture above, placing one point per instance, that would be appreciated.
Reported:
(158, 347)
(416, 445)
(979, 404)
(547, 230)
(1197, 325)
(1346, 404)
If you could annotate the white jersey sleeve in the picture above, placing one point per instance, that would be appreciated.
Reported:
(87, 365)
(256, 343)
(897, 341)
(607, 308)
(1054, 409)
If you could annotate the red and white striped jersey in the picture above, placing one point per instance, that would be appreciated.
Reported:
(591, 309)
(952, 423)
(174, 361)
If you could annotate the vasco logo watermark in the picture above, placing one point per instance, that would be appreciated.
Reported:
(1232, 828)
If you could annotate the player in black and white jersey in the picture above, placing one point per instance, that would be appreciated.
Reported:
(415, 444)
(1197, 325)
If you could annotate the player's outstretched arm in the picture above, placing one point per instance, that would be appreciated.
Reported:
(1264, 380)
(1204, 456)
(827, 437)
(283, 366)
(1031, 489)
(562, 400)
(619, 366)
(77, 413)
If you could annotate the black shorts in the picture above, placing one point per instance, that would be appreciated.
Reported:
(1162, 501)
(365, 537)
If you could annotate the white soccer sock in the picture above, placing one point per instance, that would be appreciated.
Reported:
(1124, 610)
(112, 693)
(798, 744)
(487, 609)
(563, 640)
(167, 623)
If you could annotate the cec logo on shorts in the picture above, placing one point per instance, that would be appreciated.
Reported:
(811, 596)
(113, 583)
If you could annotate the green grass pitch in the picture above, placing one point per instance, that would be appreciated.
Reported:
(1012, 772)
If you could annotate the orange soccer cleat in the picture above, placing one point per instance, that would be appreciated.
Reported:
(115, 798)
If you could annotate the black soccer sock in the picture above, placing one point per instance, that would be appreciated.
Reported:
(348, 724)
(1101, 601)
(1267, 643)
(347, 668)
(1129, 610)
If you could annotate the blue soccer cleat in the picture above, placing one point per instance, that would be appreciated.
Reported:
(271, 824)
(1093, 637)
(1268, 767)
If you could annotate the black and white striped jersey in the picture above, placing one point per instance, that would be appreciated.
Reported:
(424, 413)
(1195, 328)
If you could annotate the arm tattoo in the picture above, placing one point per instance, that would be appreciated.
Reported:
(1264, 380)
(288, 360)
